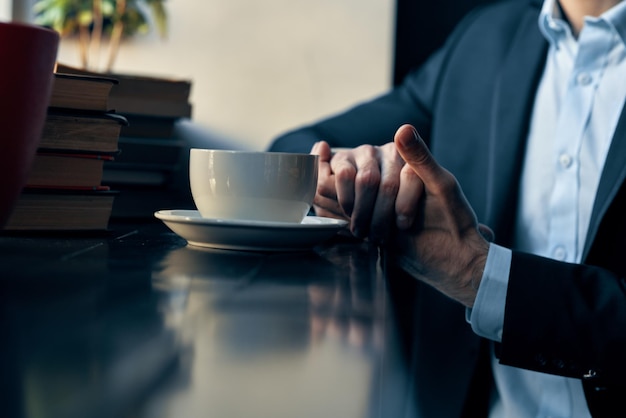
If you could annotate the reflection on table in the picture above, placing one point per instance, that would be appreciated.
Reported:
(135, 323)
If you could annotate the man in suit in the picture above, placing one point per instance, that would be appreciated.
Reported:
(525, 226)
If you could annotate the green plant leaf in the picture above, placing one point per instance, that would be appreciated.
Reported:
(84, 17)
(108, 8)
(160, 16)
(69, 17)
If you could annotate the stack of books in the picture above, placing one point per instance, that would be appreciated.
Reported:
(65, 189)
(150, 155)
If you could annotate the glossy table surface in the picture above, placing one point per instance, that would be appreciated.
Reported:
(136, 323)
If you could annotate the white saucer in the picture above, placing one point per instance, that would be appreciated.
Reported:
(250, 235)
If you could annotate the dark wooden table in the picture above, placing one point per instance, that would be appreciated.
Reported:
(135, 323)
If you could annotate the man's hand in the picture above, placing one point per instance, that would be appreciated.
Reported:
(361, 185)
(445, 247)
(399, 196)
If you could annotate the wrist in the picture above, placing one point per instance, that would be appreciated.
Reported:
(476, 270)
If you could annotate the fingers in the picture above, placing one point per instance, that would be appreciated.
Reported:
(410, 192)
(357, 176)
(367, 184)
(325, 179)
(328, 208)
(344, 168)
(452, 208)
(372, 186)
(382, 218)
(325, 201)
(417, 155)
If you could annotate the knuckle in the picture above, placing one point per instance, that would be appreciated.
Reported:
(390, 152)
(368, 151)
(345, 173)
(368, 178)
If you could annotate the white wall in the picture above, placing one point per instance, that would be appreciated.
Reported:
(5, 10)
(261, 67)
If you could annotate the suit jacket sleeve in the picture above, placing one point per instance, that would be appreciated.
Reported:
(566, 319)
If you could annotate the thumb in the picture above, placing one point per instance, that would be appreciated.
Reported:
(416, 154)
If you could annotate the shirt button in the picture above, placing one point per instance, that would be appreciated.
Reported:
(583, 79)
(565, 160)
(559, 253)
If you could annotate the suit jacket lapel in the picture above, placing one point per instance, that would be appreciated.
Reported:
(613, 175)
(513, 101)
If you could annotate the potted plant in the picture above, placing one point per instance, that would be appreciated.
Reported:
(93, 20)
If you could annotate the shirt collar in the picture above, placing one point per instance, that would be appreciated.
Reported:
(616, 17)
(554, 27)
(551, 22)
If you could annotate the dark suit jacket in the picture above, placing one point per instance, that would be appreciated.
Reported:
(472, 102)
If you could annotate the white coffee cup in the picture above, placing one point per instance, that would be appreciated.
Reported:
(252, 186)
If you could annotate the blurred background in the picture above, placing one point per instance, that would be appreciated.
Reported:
(261, 68)
(258, 68)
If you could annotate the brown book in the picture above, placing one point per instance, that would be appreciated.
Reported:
(84, 132)
(135, 85)
(129, 105)
(61, 210)
(67, 170)
(144, 95)
(81, 92)
(161, 88)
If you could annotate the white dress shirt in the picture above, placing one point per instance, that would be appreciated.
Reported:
(577, 106)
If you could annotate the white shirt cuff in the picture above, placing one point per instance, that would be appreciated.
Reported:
(487, 315)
